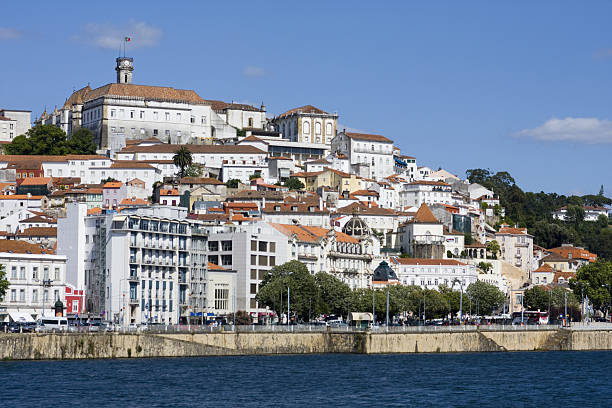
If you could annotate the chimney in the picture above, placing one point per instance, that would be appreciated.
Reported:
(320, 204)
(263, 201)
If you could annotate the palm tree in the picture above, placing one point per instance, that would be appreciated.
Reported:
(182, 159)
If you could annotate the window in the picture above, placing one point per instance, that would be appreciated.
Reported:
(13, 295)
(22, 272)
(167, 116)
(254, 274)
(263, 246)
(57, 274)
(155, 116)
(35, 295)
(263, 260)
(306, 128)
(272, 246)
(141, 114)
(253, 245)
(113, 113)
(35, 272)
(178, 116)
(131, 114)
(250, 121)
(13, 272)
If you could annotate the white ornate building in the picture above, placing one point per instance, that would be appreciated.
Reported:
(369, 155)
(307, 124)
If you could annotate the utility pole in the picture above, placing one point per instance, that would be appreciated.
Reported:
(373, 311)
(522, 309)
(387, 304)
(565, 312)
(288, 304)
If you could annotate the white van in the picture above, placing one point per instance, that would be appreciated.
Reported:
(52, 324)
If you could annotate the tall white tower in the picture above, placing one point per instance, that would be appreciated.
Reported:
(125, 66)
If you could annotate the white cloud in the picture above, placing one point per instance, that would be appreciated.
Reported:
(111, 36)
(253, 72)
(585, 130)
(7, 33)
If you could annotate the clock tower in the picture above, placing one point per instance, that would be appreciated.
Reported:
(125, 66)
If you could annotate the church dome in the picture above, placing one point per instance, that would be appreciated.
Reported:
(356, 227)
(383, 273)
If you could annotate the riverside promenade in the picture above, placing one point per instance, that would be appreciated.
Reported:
(186, 341)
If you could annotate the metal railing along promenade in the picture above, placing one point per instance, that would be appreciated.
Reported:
(160, 329)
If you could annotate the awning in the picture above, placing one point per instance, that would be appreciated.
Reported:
(356, 316)
(21, 316)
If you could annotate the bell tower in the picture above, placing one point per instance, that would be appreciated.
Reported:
(125, 66)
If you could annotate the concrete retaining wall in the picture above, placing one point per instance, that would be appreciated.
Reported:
(120, 345)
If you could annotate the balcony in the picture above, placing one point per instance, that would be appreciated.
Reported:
(428, 239)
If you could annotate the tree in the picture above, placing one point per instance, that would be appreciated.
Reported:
(242, 318)
(294, 184)
(182, 159)
(334, 295)
(303, 289)
(488, 297)
(194, 170)
(82, 141)
(485, 266)
(467, 239)
(4, 283)
(233, 183)
(595, 281)
(536, 298)
(575, 214)
(479, 176)
(50, 140)
(601, 191)
(493, 248)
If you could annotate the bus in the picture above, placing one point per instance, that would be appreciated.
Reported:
(530, 317)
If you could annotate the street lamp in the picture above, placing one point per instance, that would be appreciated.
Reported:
(607, 285)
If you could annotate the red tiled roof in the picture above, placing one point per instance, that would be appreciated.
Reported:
(36, 181)
(366, 136)
(303, 109)
(113, 184)
(21, 247)
(425, 216)
(38, 232)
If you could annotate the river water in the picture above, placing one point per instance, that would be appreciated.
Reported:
(545, 379)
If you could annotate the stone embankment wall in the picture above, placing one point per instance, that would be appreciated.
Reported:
(120, 345)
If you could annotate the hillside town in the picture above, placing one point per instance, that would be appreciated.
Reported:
(189, 203)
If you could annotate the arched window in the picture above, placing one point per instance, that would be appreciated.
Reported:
(329, 129)
(306, 127)
(250, 122)
(317, 128)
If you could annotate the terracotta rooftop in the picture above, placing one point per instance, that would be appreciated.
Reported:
(113, 184)
(202, 149)
(201, 180)
(36, 181)
(303, 109)
(370, 137)
(38, 232)
(309, 233)
(425, 216)
(21, 247)
(362, 209)
(130, 164)
(147, 92)
(545, 268)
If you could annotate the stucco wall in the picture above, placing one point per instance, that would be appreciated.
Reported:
(115, 345)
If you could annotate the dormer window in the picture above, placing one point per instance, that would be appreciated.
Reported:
(294, 208)
(277, 208)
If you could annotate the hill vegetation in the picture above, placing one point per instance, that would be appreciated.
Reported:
(534, 212)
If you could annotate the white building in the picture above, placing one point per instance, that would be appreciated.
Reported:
(591, 213)
(37, 279)
(307, 124)
(421, 192)
(251, 250)
(369, 155)
(432, 273)
(346, 254)
(516, 247)
(13, 123)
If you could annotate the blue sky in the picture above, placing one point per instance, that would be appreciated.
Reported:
(520, 86)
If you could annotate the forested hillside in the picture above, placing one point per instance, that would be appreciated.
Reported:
(534, 211)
